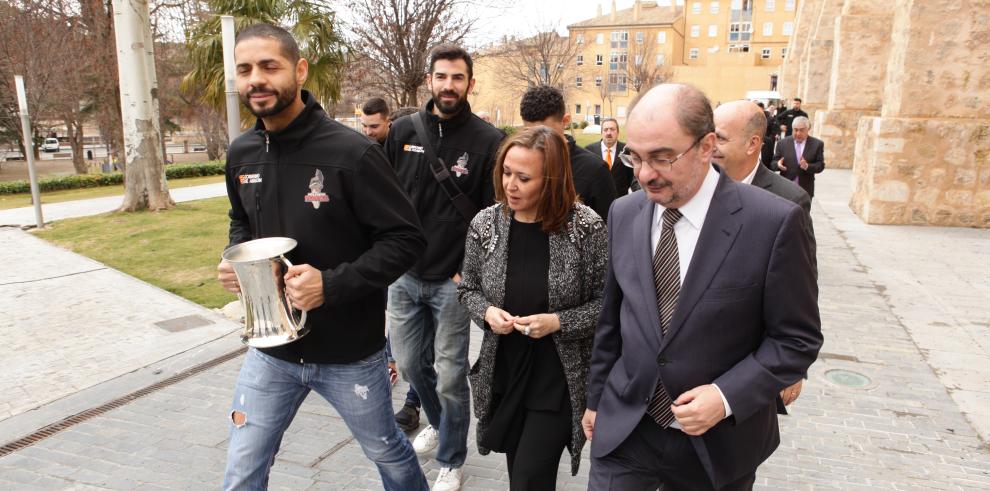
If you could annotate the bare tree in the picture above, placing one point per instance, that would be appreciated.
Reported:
(395, 36)
(646, 67)
(543, 59)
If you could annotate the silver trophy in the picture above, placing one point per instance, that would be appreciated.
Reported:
(269, 318)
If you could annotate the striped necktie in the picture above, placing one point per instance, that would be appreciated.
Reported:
(667, 278)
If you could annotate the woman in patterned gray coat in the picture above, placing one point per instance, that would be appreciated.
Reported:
(533, 275)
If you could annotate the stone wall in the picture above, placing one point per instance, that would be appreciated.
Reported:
(860, 54)
(926, 158)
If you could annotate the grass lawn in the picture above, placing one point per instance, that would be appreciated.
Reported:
(8, 201)
(177, 250)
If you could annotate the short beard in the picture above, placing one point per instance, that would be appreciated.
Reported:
(283, 99)
(450, 109)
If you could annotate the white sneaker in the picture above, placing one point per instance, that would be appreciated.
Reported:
(448, 480)
(427, 440)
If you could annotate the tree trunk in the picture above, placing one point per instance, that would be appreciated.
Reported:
(144, 183)
(74, 125)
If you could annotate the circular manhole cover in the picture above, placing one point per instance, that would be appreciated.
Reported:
(848, 378)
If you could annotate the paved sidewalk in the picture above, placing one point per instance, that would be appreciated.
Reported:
(903, 306)
(22, 217)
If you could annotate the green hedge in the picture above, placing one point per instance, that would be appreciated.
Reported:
(175, 171)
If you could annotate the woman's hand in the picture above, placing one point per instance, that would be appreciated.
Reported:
(499, 320)
(539, 325)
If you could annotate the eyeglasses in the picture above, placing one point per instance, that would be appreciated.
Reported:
(657, 164)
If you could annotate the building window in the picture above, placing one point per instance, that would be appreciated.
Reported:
(768, 28)
(788, 28)
(713, 7)
(695, 31)
(579, 39)
(577, 109)
(639, 60)
(661, 59)
(696, 8)
(738, 48)
(599, 60)
(712, 30)
(661, 37)
(640, 37)
(578, 82)
(617, 61)
(580, 60)
(598, 81)
(740, 31)
(765, 53)
(616, 82)
(693, 54)
(770, 5)
(620, 39)
(600, 38)
(783, 53)
(598, 109)
(789, 5)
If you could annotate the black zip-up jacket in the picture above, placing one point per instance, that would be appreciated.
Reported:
(332, 190)
(592, 179)
(468, 146)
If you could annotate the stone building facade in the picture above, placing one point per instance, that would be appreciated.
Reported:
(906, 87)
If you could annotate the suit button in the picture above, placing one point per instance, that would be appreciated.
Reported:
(661, 361)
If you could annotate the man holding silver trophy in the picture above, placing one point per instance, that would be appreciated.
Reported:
(309, 190)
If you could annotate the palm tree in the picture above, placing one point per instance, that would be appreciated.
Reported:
(311, 24)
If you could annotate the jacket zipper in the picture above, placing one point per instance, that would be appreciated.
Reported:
(266, 142)
(257, 211)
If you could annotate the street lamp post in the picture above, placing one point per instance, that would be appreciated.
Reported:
(29, 148)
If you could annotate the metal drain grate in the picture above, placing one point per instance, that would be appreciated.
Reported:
(55, 428)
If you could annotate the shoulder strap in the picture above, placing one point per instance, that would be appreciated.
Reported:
(464, 206)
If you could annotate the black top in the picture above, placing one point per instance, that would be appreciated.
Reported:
(528, 373)
(332, 190)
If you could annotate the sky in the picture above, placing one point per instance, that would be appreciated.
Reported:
(525, 17)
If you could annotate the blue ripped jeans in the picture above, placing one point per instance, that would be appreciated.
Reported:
(268, 393)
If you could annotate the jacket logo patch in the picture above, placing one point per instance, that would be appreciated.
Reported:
(412, 148)
(249, 178)
(316, 194)
(461, 166)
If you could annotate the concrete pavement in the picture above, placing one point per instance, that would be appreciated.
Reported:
(897, 400)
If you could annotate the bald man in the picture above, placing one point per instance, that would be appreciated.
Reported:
(690, 356)
(739, 130)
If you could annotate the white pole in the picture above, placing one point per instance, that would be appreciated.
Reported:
(233, 101)
(29, 148)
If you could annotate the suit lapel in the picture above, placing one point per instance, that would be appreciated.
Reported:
(644, 255)
(717, 235)
(762, 177)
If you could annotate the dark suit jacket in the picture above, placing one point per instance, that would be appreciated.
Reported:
(622, 176)
(592, 180)
(814, 153)
(730, 326)
(775, 184)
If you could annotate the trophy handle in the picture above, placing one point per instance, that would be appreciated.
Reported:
(302, 316)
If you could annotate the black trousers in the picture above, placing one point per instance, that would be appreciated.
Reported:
(533, 464)
(654, 458)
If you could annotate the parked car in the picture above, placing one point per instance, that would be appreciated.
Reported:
(11, 154)
(50, 145)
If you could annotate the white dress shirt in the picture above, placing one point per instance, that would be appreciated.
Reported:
(687, 230)
(749, 179)
(612, 149)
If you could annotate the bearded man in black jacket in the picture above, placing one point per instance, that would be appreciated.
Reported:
(302, 175)
(465, 146)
